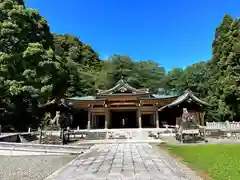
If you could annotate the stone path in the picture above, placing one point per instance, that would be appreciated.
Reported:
(123, 162)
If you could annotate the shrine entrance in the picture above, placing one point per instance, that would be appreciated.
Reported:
(123, 119)
(148, 120)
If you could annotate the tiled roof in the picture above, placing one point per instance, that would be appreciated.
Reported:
(82, 98)
(163, 96)
(87, 98)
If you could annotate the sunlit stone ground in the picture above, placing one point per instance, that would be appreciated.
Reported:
(124, 161)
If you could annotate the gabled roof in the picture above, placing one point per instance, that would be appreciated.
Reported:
(188, 94)
(122, 86)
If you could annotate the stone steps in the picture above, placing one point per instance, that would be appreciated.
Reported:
(51, 140)
(43, 148)
(28, 137)
(95, 135)
(42, 151)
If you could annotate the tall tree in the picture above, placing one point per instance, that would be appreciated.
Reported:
(226, 64)
(80, 62)
(28, 67)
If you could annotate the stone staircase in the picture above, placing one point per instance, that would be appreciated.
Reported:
(51, 140)
(102, 135)
(95, 135)
(139, 135)
(43, 148)
(28, 137)
(119, 135)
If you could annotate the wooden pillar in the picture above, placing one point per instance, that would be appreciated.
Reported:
(89, 119)
(157, 119)
(202, 116)
(139, 117)
(94, 122)
(106, 116)
(153, 120)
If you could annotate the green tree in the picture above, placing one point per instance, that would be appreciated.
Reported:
(28, 67)
(226, 58)
(80, 63)
(147, 74)
(118, 67)
(140, 74)
(175, 80)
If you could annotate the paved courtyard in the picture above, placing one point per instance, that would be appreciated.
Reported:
(124, 162)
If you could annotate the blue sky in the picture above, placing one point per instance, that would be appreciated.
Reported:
(175, 33)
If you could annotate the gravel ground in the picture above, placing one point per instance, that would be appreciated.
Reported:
(31, 167)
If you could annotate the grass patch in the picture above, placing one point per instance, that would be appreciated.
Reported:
(219, 161)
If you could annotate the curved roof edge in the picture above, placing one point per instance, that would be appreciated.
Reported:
(54, 101)
(188, 94)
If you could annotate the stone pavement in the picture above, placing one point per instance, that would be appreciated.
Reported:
(123, 162)
(117, 141)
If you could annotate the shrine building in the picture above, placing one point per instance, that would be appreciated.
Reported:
(124, 106)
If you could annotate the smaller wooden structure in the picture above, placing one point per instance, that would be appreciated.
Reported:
(188, 129)
(190, 116)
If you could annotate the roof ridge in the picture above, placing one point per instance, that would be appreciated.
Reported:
(122, 84)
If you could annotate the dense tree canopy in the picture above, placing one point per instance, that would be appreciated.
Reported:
(28, 66)
(37, 66)
(226, 59)
(79, 62)
(139, 74)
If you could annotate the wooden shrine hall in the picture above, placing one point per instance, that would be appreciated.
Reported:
(124, 106)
